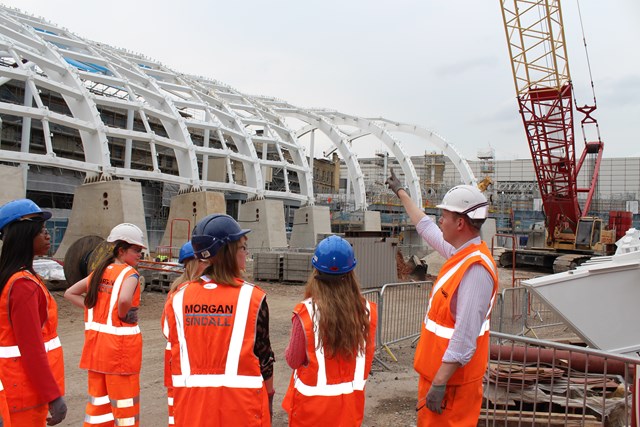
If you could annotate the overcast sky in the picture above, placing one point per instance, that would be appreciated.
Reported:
(441, 64)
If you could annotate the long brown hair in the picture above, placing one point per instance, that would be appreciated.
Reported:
(223, 267)
(343, 314)
(189, 274)
(91, 297)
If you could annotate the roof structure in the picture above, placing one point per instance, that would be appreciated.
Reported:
(106, 96)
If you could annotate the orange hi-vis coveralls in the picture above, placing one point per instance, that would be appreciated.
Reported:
(112, 354)
(215, 373)
(328, 391)
(463, 396)
(4, 409)
(22, 397)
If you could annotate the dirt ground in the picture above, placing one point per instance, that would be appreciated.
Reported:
(390, 391)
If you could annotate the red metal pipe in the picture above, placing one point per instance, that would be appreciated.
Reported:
(579, 361)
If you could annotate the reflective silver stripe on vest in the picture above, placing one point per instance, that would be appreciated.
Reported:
(442, 280)
(108, 328)
(130, 421)
(230, 378)
(171, 421)
(170, 401)
(13, 351)
(168, 347)
(447, 333)
(98, 419)
(322, 388)
(125, 403)
(1, 386)
(98, 401)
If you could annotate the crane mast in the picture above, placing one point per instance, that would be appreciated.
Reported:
(538, 52)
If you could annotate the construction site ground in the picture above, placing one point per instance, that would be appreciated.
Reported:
(390, 393)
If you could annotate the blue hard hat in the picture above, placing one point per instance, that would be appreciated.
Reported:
(334, 255)
(213, 232)
(186, 252)
(16, 209)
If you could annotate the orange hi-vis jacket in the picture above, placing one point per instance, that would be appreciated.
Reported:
(12, 371)
(439, 323)
(216, 375)
(328, 391)
(111, 346)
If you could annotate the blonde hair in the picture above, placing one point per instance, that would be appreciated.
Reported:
(223, 267)
(343, 314)
(189, 274)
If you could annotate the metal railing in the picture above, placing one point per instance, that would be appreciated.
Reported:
(534, 383)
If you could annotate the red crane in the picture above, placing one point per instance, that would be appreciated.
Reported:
(538, 51)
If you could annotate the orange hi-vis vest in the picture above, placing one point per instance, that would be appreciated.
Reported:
(439, 323)
(22, 395)
(111, 346)
(328, 391)
(216, 375)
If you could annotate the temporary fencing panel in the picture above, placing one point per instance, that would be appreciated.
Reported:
(373, 295)
(541, 383)
(402, 310)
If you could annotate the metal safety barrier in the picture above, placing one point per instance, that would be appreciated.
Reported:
(401, 312)
(518, 311)
(530, 382)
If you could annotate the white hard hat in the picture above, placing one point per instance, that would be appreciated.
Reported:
(466, 200)
(130, 233)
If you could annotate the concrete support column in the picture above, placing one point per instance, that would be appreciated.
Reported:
(266, 220)
(13, 186)
(372, 221)
(308, 222)
(99, 206)
(184, 213)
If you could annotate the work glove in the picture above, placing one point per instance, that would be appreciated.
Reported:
(132, 316)
(58, 411)
(435, 396)
(394, 183)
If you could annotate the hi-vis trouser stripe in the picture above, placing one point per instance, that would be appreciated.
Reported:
(13, 350)
(108, 328)
(230, 378)
(446, 332)
(322, 388)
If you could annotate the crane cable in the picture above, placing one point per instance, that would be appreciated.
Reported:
(587, 110)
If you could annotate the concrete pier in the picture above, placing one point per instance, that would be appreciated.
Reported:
(99, 206)
(308, 222)
(185, 212)
(265, 218)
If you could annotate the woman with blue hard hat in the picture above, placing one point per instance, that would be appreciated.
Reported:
(332, 342)
(218, 329)
(192, 269)
(112, 352)
(31, 360)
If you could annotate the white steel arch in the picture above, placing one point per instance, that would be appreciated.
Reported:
(447, 148)
(111, 101)
(369, 127)
(337, 137)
